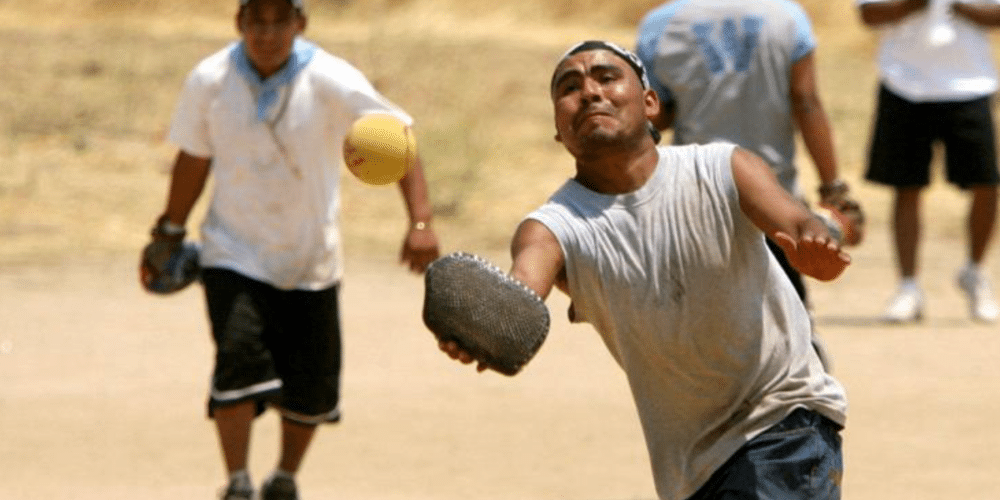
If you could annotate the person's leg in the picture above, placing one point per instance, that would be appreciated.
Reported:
(800, 458)
(900, 157)
(308, 355)
(800, 288)
(295, 439)
(234, 423)
(243, 377)
(972, 277)
(972, 164)
(793, 275)
(982, 220)
(906, 230)
(908, 302)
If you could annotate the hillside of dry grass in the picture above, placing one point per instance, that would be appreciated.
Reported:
(90, 86)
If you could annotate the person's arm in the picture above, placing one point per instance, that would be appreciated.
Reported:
(537, 263)
(986, 15)
(876, 14)
(537, 258)
(420, 246)
(805, 238)
(190, 173)
(812, 120)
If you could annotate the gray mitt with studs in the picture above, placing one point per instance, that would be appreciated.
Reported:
(489, 314)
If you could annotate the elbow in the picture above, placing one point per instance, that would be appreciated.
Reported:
(870, 20)
(805, 104)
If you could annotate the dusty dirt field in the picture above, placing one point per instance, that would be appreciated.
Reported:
(103, 387)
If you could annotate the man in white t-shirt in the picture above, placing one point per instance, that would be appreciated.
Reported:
(266, 117)
(937, 82)
(662, 250)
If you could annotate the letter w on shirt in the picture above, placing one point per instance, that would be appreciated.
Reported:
(723, 42)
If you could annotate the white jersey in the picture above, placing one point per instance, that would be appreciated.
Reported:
(274, 214)
(681, 287)
(932, 55)
(727, 67)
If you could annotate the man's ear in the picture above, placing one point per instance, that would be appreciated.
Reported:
(651, 102)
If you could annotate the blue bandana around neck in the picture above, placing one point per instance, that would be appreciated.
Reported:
(302, 53)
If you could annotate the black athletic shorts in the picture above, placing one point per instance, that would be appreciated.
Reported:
(905, 131)
(278, 347)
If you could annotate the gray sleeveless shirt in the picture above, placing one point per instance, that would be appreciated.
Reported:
(713, 339)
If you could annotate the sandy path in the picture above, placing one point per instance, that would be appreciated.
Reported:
(102, 390)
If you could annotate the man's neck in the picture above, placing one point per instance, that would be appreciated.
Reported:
(617, 172)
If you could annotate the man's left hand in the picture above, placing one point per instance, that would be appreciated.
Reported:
(420, 248)
(817, 256)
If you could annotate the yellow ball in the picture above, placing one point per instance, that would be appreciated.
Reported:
(379, 149)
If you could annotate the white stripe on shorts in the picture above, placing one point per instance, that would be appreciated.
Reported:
(236, 394)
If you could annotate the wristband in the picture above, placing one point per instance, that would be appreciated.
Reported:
(835, 188)
(165, 227)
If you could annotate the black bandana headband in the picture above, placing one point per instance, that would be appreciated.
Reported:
(626, 55)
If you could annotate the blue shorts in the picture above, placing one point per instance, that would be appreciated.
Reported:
(797, 459)
(905, 133)
(277, 347)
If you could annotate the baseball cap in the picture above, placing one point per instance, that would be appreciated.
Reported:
(298, 4)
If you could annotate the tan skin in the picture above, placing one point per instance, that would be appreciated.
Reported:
(601, 110)
(269, 29)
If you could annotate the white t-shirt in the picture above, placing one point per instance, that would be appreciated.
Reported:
(932, 55)
(713, 339)
(274, 214)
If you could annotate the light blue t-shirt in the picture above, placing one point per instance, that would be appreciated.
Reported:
(726, 65)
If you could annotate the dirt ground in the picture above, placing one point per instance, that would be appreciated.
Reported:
(103, 387)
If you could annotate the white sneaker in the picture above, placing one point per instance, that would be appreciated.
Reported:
(906, 306)
(239, 488)
(982, 305)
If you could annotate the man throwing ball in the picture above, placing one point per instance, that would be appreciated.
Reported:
(662, 250)
(266, 116)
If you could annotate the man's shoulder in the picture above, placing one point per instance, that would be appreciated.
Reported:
(214, 66)
(324, 60)
(696, 160)
(335, 71)
(721, 147)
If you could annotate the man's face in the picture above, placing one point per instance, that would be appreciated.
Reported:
(269, 28)
(599, 101)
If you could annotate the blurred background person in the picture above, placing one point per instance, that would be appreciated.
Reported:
(937, 80)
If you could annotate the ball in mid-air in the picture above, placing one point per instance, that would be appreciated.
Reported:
(379, 149)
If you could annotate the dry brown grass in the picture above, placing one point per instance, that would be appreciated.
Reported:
(89, 88)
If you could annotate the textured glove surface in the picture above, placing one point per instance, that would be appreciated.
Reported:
(168, 266)
(492, 316)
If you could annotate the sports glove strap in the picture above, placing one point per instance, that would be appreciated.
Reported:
(833, 191)
(166, 229)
